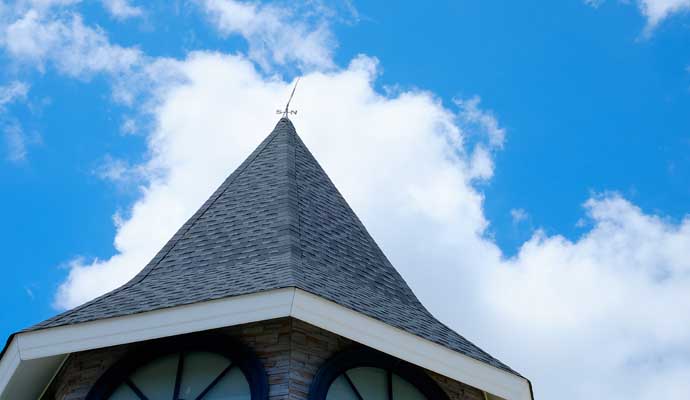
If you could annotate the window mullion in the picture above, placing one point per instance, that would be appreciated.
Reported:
(352, 385)
(215, 381)
(178, 377)
(135, 389)
(389, 382)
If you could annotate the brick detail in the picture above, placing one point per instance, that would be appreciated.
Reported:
(290, 350)
(81, 370)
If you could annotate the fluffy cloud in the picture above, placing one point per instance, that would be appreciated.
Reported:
(122, 9)
(47, 33)
(275, 34)
(655, 11)
(12, 130)
(67, 43)
(207, 123)
(518, 215)
(472, 116)
(610, 308)
(578, 316)
(38, 33)
(11, 92)
(43, 4)
(15, 141)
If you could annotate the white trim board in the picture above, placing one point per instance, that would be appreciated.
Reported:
(9, 364)
(406, 346)
(40, 352)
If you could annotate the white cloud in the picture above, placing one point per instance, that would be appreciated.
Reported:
(481, 164)
(41, 33)
(44, 4)
(35, 38)
(12, 92)
(129, 126)
(610, 308)
(224, 97)
(122, 9)
(518, 215)
(275, 35)
(119, 171)
(655, 11)
(470, 114)
(595, 308)
(15, 141)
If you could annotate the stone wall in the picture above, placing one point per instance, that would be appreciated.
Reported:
(290, 350)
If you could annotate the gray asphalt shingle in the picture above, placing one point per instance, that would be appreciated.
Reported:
(277, 221)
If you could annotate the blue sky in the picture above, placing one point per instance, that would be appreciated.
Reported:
(98, 110)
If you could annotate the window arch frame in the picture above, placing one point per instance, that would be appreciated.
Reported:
(364, 357)
(240, 356)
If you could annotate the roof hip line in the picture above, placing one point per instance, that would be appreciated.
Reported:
(192, 220)
(181, 232)
(278, 221)
(293, 156)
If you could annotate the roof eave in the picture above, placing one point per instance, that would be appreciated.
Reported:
(30, 359)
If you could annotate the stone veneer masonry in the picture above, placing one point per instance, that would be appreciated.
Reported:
(291, 351)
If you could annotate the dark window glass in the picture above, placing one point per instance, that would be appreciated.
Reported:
(196, 375)
(367, 383)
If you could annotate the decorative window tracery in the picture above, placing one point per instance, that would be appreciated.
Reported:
(369, 375)
(205, 368)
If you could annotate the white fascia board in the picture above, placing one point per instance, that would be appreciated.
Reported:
(32, 357)
(406, 346)
(156, 324)
(32, 377)
(9, 363)
(38, 353)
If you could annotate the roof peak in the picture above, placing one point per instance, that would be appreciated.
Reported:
(277, 221)
(285, 120)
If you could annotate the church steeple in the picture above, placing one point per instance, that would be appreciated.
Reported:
(275, 247)
(276, 222)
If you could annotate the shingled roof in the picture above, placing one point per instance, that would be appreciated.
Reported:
(276, 222)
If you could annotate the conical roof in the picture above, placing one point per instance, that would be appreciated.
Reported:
(276, 222)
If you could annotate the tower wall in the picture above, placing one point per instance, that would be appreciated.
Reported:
(290, 350)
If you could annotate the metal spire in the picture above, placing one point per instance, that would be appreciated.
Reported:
(287, 110)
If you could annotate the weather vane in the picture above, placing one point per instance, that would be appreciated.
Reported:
(287, 110)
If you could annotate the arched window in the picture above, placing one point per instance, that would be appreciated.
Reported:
(369, 375)
(205, 368)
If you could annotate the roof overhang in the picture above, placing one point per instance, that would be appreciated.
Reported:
(31, 359)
